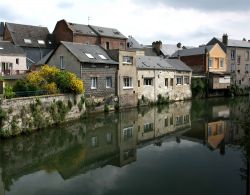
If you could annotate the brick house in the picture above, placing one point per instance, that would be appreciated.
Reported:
(170, 78)
(108, 38)
(91, 63)
(238, 59)
(36, 41)
(207, 61)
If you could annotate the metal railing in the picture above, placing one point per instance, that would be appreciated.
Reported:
(31, 93)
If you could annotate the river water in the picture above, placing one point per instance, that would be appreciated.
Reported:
(194, 147)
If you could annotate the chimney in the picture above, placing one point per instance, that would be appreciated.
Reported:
(225, 39)
(157, 45)
(178, 45)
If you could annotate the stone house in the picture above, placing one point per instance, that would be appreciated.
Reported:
(170, 78)
(91, 63)
(127, 89)
(207, 61)
(238, 59)
(36, 41)
(108, 38)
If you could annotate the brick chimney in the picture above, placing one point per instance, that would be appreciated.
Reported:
(178, 45)
(157, 45)
(225, 39)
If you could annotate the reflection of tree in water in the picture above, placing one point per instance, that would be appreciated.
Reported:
(244, 123)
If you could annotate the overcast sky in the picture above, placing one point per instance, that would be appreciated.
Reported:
(191, 22)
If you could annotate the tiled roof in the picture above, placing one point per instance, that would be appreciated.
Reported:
(193, 51)
(158, 63)
(30, 36)
(80, 50)
(107, 32)
(8, 48)
(81, 29)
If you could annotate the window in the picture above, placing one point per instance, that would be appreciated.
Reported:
(186, 118)
(186, 80)
(232, 67)
(166, 82)
(179, 120)
(139, 83)
(127, 133)
(41, 42)
(109, 137)
(148, 81)
(107, 45)
(171, 82)
(178, 80)
(232, 54)
(171, 120)
(122, 46)
(93, 82)
(89, 55)
(239, 82)
(127, 60)
(1, 48)
(247, 55)
(17, 60)
(210, 63)
(166, 122)
(247, 68)
(27, 41)
(94, 142)
(238, 60)
(127, 82)
(108, 82)
(62, 65)
(102, 57)
(148, 127)
(221, 63)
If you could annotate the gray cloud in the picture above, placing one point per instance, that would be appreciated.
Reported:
(65, 5)
(205, 5)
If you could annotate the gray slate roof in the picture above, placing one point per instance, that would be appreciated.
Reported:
(158, 63)
(19, 32)
(192, 51)
(133, 43)
(8, 48)
(81, 29)
(45, 59)
(237, 43)
(169, 49)
(79, 50)
(107, 32)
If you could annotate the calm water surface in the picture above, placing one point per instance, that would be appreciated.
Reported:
(184, 148)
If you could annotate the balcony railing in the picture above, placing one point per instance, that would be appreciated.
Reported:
(13, 72)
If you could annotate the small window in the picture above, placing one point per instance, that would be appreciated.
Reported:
(121, 45)
(148, 81)
(41, 42)
(210, 63)
(127, 82)
(139, 83)
(27, 41)
(178, 80)
(17, 60)
(247, 55)
(148, 127)
(107, 45)
(232, 67)
(247, 67)
(102, 57)
(62, 65)
(89, 55)
(94, 142)
(108, 82)
(93, 82)
(221, 63)
(1, 48)
(186, 80)
(109, 137)
(232, 54)
(127, 60)
(166, 82)
(127, 133)
(166, 122)
(238, 60)
(171, 82)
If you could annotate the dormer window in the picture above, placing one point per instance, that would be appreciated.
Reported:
(1, 48)
(27, 41)
(41, 42)
(102, 57)
(89, 55)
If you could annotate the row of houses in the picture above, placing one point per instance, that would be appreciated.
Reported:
(110, 64)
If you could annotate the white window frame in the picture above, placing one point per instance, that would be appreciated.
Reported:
(179, 78)
(127, 82)
(221, 63)
(108, 82)
(127, 59)
(93, 82)
(90, 56)
(102, 57)
(41, 42)
(62, 64)
(27, 41)
(186, 80)
(210, 63)
(148, 81)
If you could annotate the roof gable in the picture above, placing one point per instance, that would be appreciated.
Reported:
(89, 53)
(30, 36)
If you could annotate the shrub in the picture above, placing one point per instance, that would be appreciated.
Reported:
(106, 108)
(8, 92)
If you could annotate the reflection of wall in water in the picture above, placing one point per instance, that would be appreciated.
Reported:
(158, 122)
(127, 136)
(1, 183)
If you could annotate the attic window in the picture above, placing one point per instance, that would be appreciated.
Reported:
(41, 42)
(116, 32)
(91, 32)
(102, 56)
(89, 55)
(27, 41)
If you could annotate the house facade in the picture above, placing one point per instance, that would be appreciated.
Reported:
(238, 59)
(108, 38)
(127, 89)
(91, 63)
(170, 78)
(36, 41)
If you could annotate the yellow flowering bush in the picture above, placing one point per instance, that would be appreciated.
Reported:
(51, 88)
